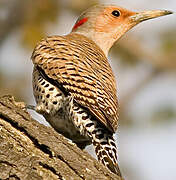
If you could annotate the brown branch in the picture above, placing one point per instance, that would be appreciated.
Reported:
(30, 150)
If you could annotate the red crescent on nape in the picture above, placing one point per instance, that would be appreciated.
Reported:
(79, 23)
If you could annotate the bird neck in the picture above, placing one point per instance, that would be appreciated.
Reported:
(103, 40)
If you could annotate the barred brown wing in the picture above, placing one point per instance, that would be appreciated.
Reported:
(80, 66)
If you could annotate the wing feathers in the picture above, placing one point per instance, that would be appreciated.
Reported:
(78, 66)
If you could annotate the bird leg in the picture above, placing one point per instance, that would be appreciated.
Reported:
(31, 107)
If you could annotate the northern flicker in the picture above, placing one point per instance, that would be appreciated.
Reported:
(73, 83)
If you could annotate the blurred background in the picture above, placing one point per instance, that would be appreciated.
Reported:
(144, 62)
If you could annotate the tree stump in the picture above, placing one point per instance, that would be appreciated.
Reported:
(30, 150)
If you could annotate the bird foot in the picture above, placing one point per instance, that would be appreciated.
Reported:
(31, 107)
(24, 106)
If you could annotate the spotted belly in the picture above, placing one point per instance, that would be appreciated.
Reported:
(54, 106)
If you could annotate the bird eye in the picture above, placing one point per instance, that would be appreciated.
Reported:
(116, 13)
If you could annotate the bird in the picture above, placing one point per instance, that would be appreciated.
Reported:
(73, 83)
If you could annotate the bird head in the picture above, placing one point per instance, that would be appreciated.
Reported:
(105, 24)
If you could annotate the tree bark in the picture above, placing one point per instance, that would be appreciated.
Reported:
(30, 150)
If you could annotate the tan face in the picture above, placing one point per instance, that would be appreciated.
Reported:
(112, 18)
(116, 20)
(105, 24)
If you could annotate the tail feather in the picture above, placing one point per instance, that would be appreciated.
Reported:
(101, 137)
(106, 151)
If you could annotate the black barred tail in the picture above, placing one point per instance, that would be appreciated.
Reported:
(100, 136)
(106, 150)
